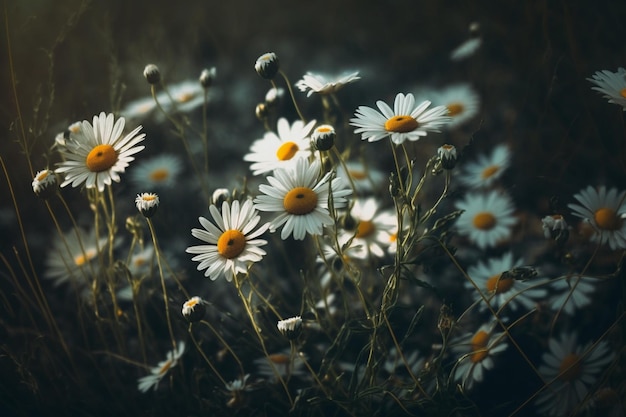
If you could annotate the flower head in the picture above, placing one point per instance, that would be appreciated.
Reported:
(147, 203)
(605, 210)
(612, 85)
(487, 168)
(447, 156)
(232, 240)
(98, 153)
(461, 100)
(194, 309)
(321, 84)
(158, 372)
(290, 327)
(157, 172)
(301, 199)
(573, 293)
(152, 74)
(487, 218)
(323, 137)
(282, 149)
(373, 229)
(45, 183)
(267, 65)
(405, 121)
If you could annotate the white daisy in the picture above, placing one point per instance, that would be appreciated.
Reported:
(569, 370)
(142, 262)
(282, 149)
(157, 172)
(405, 122)
(158, 372)
(487, 218)
(573, 293)
(612, 85)
(605, 210)
(301, 199)
(373, 229)
(475, 353)
(285, 365)
(487, 168)
(139, 109)
(290, 327)
(232, 241)
(500, 290)
(461, 100)
(98, 153)
(321, 84)
(45, 183)
(73, 258)
(365, 178)
(185, 96)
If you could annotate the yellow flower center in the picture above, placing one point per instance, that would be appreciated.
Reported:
(499, 285)
(489, 171)
(191, 303)
(231, 243)
(101, 158)
(393, 237)
(454, 109)
(401, 124)
(185, 97)
(622, 92)
(139, 262)
(479, 345)
(149, 197)
(286, 151)
(570, 367)
(165, 367)
(159, 175)
(83, 258)
(607, 219)
(42, 176)
(484, 221)
(300, 200)
(323, 129)
(358, 175)
(279, 358)
(365, 229)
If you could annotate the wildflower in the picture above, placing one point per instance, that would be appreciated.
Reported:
(161, 171)
(569, 370)
(554, 227)
(323, 137)
(320, 84)
(98, 153)
(219, 196)
(573, 293)
(487, 168)
(605, 211)
(301, 199)
(461, 100)
(487, 218)
(282, 149)
(476, 351)
(147, 204)
(158, 372)
(612, 85)
(373, 229)
(45, 183)
(267, 65)
(207, 76)
(405, 121)
(152, 74)
(236, 388)
(232, 241)
(139, 109)
(447, 156)
(285, 365)
(185, 96)
(290, 327)
(194, 309)
(500, 289)
(141, 263)
(364, 178)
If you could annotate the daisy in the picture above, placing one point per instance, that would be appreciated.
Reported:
(301, 199)
(194, 309)
(98, 153)
(141, 263)
(157, 172)
(475, 353)
(285, 365)
(487, 218)
(158, 372)
(45, 183)
(73, 257)
(282, 149)
(290, 327)
(147, 204)
(141, 108)
(232, 241)
(573, 293)
(321, 84)
(373, 229)
(499, 289)
(487, 168)
(366, 179)
(461, 100)
(405, 122)
(185, 96)
(612, 85)
(569, 370)
(605, 210)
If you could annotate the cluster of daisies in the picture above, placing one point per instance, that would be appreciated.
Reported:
(309, 191)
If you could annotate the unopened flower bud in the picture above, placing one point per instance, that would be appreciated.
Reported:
(194, 309)
(147, 204)
(45, 184)
(267, 65)
(152, 74)
(207, 76)
(219, 196)
(447, 156)
(291, 327)
(323, 137)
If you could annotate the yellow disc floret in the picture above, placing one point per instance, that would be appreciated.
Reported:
(231, 243)
(479, 346)
(607, 219)
(287, 151)
(101, 158)
(484, 221)
(300, 200)
(401, 124)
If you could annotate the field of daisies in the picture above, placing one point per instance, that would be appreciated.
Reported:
(231, 214)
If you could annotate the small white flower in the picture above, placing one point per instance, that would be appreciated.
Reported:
(194, 309)
(573, 293)
(553, 226)
(290, 327)
(185, 96)
(147, 203)
(45, 183)
(139, 109)
(373, 229)
(365, 178)
(158, 372)
(406, 121)
(321, 84)
(160, 171)
(461, 100)
(612, 85)
(487, 168)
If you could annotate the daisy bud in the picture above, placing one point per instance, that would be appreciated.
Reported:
(267, 65)
(555, 227)
(147, 204)
(194, 309)
(152, 74)
(207, 76)
(447, 156)
(291, 327)
(261, 111)
(323, 137)
(45, 184)
(219, 196)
